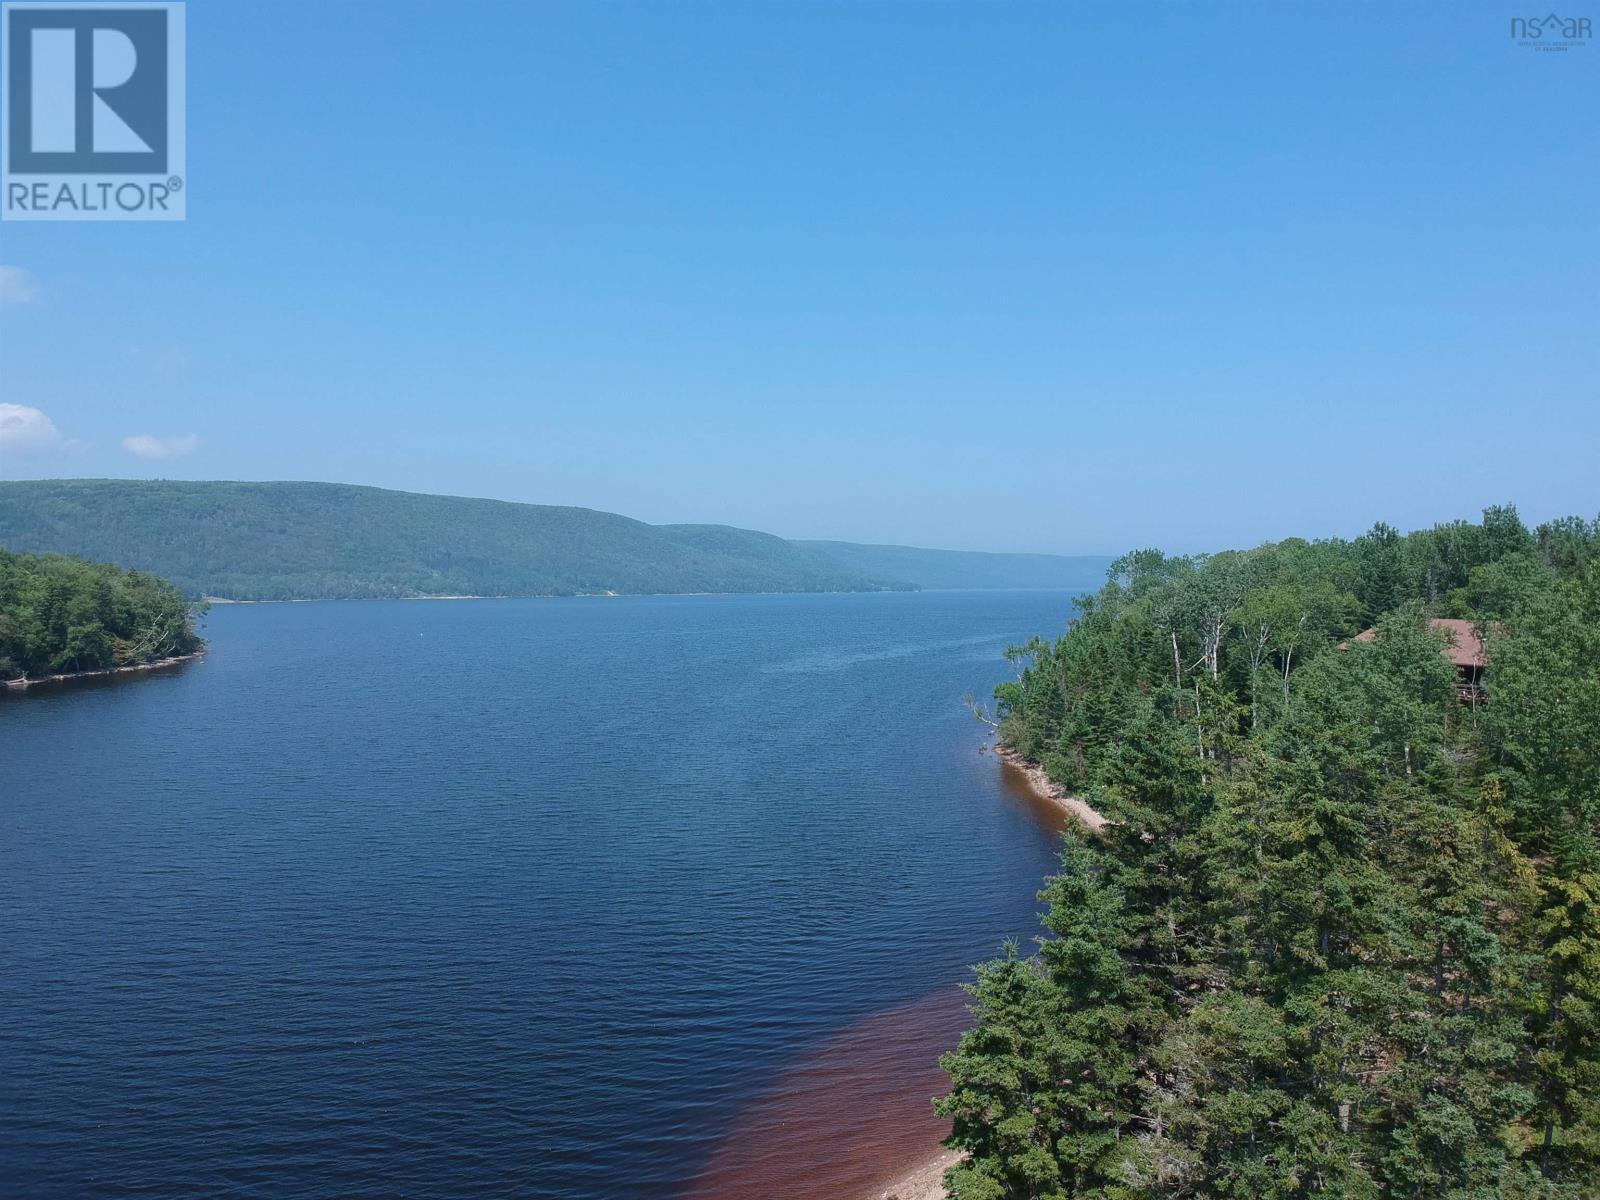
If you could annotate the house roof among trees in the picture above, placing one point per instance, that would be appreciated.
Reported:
(1465, 648)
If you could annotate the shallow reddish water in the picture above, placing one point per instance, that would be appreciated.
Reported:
(1041, 809)
(848, 1118)
(857, 1113)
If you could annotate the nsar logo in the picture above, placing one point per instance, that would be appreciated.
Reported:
(1551, 32)
(92, 126)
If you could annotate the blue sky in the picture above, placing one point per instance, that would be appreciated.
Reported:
(996, 276)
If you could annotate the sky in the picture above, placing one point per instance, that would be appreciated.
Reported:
(1054, 277)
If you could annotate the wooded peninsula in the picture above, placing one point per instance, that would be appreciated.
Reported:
(1341, 934)
(62, 615)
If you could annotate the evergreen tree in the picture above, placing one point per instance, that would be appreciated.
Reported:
(1042, 1087)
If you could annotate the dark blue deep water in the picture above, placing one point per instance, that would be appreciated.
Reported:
(490, 898)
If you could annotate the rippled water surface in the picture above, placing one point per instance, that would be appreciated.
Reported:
(640, 897)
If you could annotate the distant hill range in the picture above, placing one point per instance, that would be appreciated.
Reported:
(294, 541)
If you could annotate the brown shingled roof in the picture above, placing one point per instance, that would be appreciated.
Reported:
(1465, 649)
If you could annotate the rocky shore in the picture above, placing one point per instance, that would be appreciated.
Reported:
(105, 673)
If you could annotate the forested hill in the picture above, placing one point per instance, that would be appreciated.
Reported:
(1342, 935)
(282, 541)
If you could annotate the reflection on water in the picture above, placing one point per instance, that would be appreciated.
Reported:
(101, 679)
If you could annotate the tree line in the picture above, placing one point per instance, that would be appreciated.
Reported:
(60, 614)
(1342, 935)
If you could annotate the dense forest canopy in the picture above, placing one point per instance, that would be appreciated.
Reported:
(300, 541)
(61, 614)
(1342, 936)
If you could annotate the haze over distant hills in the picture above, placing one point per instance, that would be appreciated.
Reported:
(286, 541)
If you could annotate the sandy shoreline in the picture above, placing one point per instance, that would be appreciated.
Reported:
(104, 673)
(926, 1182)
(1048, 789)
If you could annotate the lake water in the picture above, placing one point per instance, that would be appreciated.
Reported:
(599, 898)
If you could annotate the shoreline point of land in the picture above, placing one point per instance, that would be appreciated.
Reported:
(1048, 789)
(103, 672)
